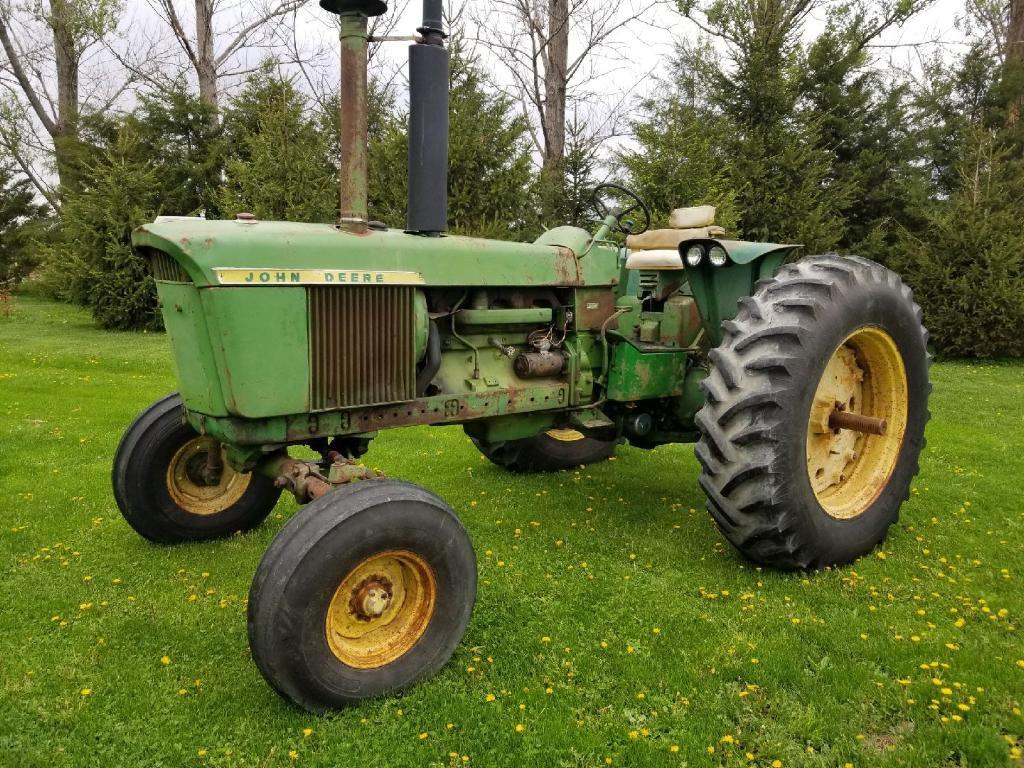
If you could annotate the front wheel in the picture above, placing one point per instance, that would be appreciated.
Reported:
(547, 452)
(171, 489)
(817, 401)
(365, 591)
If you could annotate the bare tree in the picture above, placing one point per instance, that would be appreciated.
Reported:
(222, 33)
(553, 52)
(45, 45)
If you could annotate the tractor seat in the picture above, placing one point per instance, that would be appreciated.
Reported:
(659, 248)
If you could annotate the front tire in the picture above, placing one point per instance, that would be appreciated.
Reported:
(549, 451)
(826, 334)
(159, 486)
(365, 591)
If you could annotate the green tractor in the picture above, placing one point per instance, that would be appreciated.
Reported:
(802, 381)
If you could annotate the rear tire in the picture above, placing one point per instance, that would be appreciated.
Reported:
(158, 490)
(783, 486)
(326, 625)
(547, 452)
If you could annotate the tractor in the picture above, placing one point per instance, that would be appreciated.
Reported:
(802, 381)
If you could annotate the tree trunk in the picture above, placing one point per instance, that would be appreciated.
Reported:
(66, 56)
(206, 59)
(1014, 66)
(556, 62)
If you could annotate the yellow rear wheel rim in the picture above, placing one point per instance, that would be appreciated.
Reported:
(847, 469)
(565, 435)
(190, 491)
(381, 609)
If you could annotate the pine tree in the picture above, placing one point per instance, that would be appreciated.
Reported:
(279, 164)
(21, 221)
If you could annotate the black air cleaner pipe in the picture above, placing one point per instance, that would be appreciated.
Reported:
(428, 126)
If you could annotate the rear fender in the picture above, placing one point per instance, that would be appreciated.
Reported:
(718, 289)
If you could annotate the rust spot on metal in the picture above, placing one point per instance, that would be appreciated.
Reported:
(858, 422)
(567, 267)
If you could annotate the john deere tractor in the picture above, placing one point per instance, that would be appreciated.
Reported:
(803, 381)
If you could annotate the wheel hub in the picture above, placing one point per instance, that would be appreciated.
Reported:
(380, 609)
(200, 482)
(856, 423)
(371, 598)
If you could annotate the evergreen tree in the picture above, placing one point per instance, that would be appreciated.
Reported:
(21, 220)
(489, 171)
(93, 262)
(966, 265)
(279, 156)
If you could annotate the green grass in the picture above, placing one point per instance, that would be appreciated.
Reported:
(610, 587)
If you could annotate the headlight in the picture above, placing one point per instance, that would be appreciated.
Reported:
(717, 256)
(694, 254)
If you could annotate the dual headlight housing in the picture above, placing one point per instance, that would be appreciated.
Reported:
(696, 253)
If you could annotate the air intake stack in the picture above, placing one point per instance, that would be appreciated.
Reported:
(352, 15)
(428, 126)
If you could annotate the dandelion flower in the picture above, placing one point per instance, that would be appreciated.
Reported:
(165, 660)
(307, 732)
(520, 727)
(87, 691)
(674, 748)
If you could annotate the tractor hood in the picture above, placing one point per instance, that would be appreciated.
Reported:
(269, 253)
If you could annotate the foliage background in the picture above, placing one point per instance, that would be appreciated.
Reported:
(796, 136)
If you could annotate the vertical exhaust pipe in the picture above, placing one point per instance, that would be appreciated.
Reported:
(352, 17)
(428, 126)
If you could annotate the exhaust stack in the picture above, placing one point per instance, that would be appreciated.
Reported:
(428, 126)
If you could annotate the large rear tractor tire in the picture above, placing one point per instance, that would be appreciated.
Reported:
(365, 591)
(165, 491)
(547, 452)
(785, 482)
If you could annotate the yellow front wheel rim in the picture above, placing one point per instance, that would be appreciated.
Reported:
(565, 435)
(848, 469)
(381, 609)
(191, 492)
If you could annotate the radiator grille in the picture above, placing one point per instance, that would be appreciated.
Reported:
(167, 269)
(361, 345)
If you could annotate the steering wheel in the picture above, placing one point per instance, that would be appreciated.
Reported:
(622, 224)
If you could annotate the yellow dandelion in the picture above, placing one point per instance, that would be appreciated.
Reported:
(423, 735)
(292, 754)
(520, 727)
(674, 748)
(307, 732)
(711, 750)
(490, 697)
(87, 691)
(776, 764)
(165, 660)
(727, 739)
(549, 690)
(201, 753)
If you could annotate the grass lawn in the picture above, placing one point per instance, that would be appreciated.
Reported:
(612, 622)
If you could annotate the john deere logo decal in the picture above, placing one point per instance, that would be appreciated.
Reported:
(235, 276)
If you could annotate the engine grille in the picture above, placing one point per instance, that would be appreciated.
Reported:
(167, 269)
(648, 282)
(361, 345)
